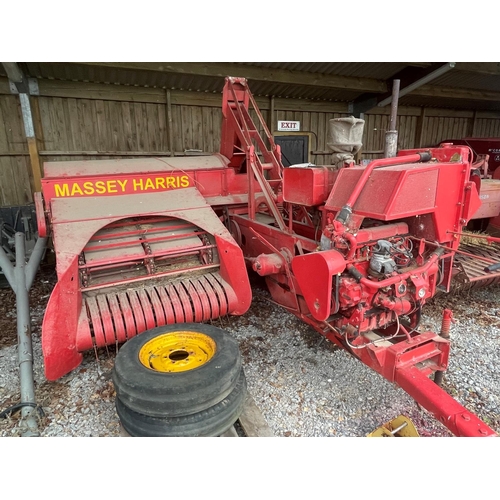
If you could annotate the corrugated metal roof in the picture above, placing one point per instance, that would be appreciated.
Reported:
(107, 74)
(469, 80)
(301, 91)
(143, 78)
(374, 71)
(450, 103)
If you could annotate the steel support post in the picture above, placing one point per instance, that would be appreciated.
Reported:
(21, 278)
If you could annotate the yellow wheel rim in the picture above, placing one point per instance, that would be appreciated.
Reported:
(177, 351)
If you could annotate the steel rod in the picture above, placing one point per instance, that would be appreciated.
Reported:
(148, 277)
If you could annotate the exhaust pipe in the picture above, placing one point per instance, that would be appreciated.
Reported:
(391, 135)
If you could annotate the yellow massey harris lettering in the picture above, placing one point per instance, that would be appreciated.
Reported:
(117, 186)
(61, 190)
(160, 183)
(100, 187)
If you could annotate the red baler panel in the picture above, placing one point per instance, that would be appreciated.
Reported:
(390, 193)
(308, 186)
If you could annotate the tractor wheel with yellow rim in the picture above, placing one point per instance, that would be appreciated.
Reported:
(176, 370)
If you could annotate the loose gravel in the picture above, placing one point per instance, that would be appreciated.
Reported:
(303, 384)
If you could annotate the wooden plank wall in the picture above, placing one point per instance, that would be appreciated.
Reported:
(89, 121)
(196, 128)
(441, 128)
(97, 125)
(486, 128)
(15, 182)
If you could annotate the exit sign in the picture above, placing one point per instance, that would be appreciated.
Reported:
(289, 126)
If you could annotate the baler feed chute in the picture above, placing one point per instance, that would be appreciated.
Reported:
(131, 262)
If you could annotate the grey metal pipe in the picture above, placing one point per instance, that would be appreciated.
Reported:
(24, 347)
(21, 278)
(7, 268)
(35, 259)
(422, 81)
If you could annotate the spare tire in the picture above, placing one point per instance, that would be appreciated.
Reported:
(176, 370)
(210, 422)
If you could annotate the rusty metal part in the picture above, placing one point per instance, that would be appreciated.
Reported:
(470, 270)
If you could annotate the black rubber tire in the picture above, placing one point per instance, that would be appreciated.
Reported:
(161, 394)
(210, 422)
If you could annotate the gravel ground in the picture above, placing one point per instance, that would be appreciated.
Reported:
(304, 386)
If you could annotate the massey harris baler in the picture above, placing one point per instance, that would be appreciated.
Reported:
(354, 251)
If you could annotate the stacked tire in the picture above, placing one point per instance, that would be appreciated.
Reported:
(182, 380)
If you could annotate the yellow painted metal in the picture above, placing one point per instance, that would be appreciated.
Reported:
(398, 427)
(177, 351)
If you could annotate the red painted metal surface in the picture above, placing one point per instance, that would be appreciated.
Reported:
(448, 411)
(481, 146)
(40, 215)
(355, 252)
(317, 292)
(307, 186)
(110, 266)
(376, 266)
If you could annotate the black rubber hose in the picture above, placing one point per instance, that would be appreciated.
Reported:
(492, 267)
(19, 406)
(354, 273)
(344, 214)
(426, 156)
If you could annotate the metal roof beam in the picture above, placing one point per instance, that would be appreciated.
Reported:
(422, 81)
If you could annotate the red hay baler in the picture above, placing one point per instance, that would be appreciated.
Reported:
(354, 251)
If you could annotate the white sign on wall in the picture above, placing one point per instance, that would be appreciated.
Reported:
(288, 126)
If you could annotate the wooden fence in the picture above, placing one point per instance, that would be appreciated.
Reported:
(76, 120)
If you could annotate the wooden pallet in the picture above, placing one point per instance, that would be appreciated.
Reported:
(250, 424)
